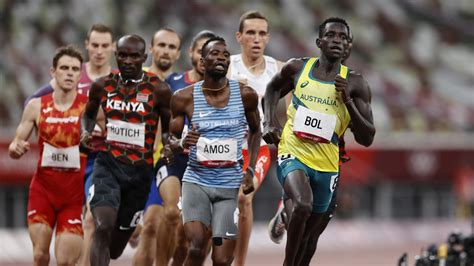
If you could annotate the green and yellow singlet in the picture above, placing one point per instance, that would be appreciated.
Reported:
(317, 117)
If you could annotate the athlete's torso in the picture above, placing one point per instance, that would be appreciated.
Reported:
(58, 140)
(316, 118)
(239, 71)
(130, 117)
(178, 80)
(216, 159)
(85, 82)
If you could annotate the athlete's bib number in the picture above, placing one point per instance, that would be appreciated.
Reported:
(60, 157)
(161, 174)
(314, 126)
(125, 132)
(216, 152)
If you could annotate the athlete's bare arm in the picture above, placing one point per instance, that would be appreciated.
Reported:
(250, 101)
(29, 121)
(280, 85)
(89, 117)
(182, 106)
(162, 94)
(357, 96)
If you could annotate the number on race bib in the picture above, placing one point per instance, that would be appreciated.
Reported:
(161, 174)
(136, 218)
(334, 181)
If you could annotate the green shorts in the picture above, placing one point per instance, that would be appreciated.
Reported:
(322, 183)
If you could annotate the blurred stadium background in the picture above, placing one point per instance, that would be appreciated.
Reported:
(412, 187)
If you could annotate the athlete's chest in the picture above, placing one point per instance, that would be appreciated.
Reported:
(136, 99)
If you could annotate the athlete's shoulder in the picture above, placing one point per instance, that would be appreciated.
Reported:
(236, 57)
(33, 106)
(294, 65)
(175, 76)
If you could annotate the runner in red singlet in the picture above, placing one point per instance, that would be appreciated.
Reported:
(56, 191)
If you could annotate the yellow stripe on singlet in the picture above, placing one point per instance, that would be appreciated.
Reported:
(322, 97)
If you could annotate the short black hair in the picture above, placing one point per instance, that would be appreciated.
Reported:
(135, 37)
(213, 39)
(204, 34)
(70, 51)
(322, 27)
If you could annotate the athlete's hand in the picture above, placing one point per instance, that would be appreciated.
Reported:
(135, 238)
(247, 183)
(86, 139)
(341, 86)
(18, 148)
(271, 134)
(191, 138)
(167, 154)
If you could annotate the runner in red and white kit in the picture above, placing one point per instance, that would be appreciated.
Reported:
(132, 101)
(100, 46)
(56, 190)
(254, 69)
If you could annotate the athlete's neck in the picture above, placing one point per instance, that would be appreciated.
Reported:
(194, 76)
(54, 84)
(63, 98)
(214, 86)
(329, 65)
(160, 73)
(95, 72)
(255, 65)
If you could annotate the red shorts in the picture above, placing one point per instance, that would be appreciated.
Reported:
(262, 165)
(57, 200)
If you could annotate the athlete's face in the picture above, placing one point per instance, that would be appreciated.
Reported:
(217, 59)
(67, 72)
(99, 48)
(130, 57)
(165, 49)
(254, 37)
(195, 55)
(334, 40)
(347, 50)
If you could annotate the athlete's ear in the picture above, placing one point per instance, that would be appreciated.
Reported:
(238, 36)
(114, 46)
(52, 71)
(318, 42)
(145, 56)
(86, 43)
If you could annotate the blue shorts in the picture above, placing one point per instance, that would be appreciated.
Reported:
(322, 184)
(88, 173)
(162, 171)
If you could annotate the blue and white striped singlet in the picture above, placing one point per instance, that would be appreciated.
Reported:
(218, 124)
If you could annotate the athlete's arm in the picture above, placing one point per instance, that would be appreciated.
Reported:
(20, 145)
(162, 106)
(89, 117)
(250, 100)
(280, 85)
(357, 97)
(181, 107)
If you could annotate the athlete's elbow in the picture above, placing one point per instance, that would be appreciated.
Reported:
(366, 139)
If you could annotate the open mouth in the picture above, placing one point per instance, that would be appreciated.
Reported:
(335, 48)
(220, 67)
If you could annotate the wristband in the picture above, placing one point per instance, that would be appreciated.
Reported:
(251, 170)
(349, 101)
(181, 143)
